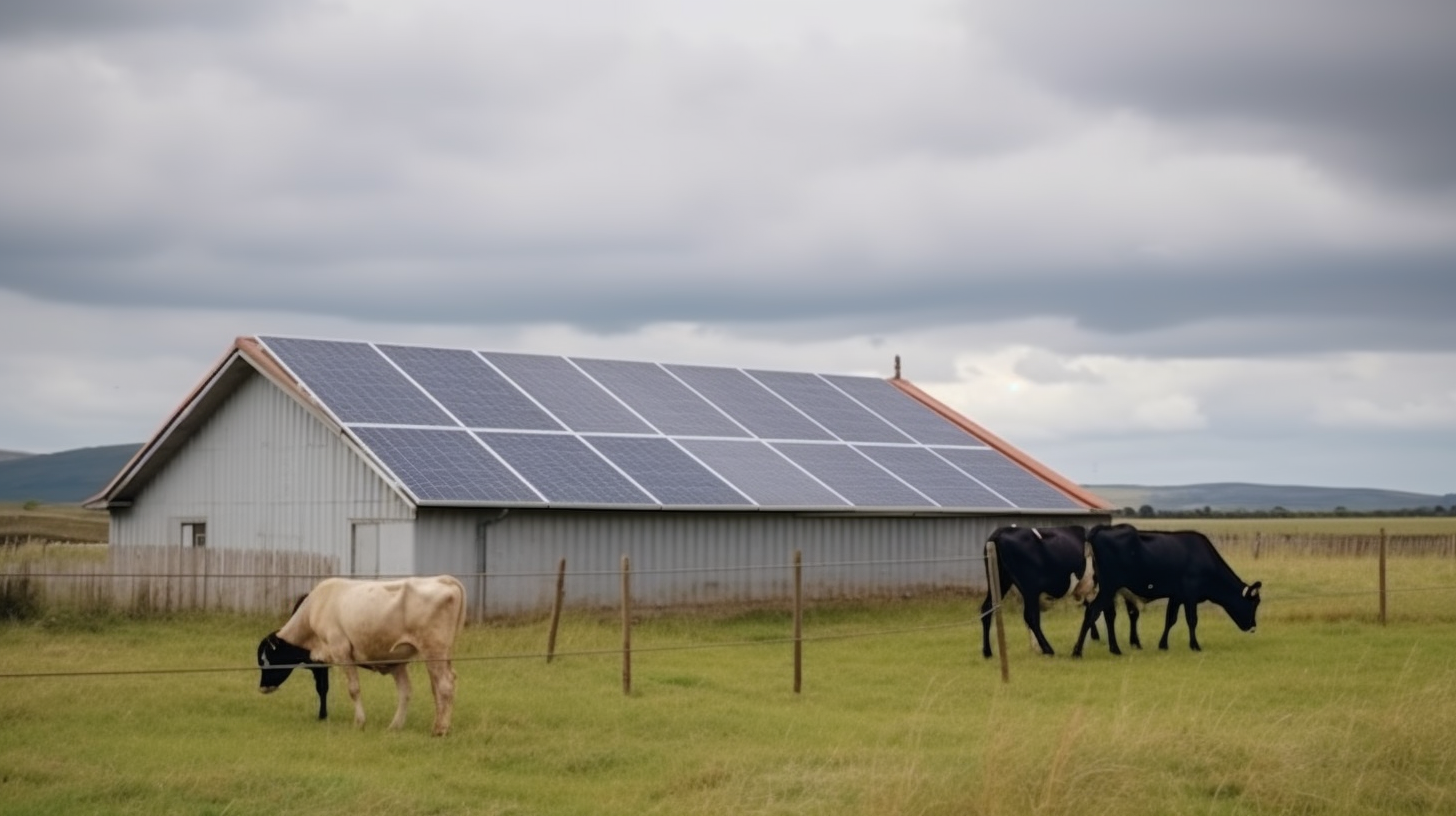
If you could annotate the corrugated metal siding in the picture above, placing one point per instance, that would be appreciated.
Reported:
(700, 558)
(264, 474)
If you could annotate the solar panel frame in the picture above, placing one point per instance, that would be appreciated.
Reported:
(565, 469)
(763, 474)
(660, 398)
(942, 482)
(471, 389)
(445, 465)
(852, 475)
(998, 472)
(765, 414)
(828, 406)
(901, 410)
(356, 382)
(570, 395)
(667, 472)
(555, 431)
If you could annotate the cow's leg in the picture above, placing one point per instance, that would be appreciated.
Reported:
(1192, 615)
(351, 674)
(1093, 630)
(402, 694)
(321, 685)
(442, 683)
(1172, 618)
(1133, 613)
(1089, 621)
(1109, 613)
(1031, 612)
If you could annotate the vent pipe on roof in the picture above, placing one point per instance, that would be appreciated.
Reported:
(897, 366)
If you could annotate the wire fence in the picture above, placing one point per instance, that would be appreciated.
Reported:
(187, 579)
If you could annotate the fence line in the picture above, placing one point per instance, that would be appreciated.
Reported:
(166, 579)
(1335, 544)
(604, 652)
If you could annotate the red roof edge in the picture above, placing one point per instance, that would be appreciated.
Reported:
(1073, 490)
(247, 347)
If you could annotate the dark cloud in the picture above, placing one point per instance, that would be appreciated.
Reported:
(44, 18)
(1390, 302)
(1362, 87)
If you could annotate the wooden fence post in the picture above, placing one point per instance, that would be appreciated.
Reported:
(556, 609)
(1382, 576)
(626, 625)
(993, 577)
(798, 620)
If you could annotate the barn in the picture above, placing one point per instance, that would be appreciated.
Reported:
(387, 459)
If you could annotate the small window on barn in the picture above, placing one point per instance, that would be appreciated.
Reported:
(194, 534)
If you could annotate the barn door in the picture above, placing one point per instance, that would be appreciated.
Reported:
(365, 551)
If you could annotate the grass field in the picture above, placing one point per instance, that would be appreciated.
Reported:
(1325, 525)
(51, 522)
(1323, 711)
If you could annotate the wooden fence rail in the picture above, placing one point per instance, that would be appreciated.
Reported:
(170, 579)
(167, 579)
(1334, 544)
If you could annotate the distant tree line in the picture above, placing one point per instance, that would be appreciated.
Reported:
(1148, 511)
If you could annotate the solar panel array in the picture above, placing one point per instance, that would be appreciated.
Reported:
(456, 426)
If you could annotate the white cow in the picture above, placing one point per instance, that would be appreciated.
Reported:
(379, 625)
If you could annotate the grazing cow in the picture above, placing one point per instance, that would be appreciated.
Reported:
(379, 625)
(1044, 564)
(1183, 567)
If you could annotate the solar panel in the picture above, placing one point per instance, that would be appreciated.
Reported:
(903, 411)
(470, 389)
(861, 481)
(829, 407)
(750, 404)
(567, 393)
(509, 429)
(768, 478)
(356, 383)
(564, 469)
(660, 398)
(993, 469)
(445, 465)
(667, 472)
(933, 476)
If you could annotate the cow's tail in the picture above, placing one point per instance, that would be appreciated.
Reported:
(1086, 585)
(460, 607)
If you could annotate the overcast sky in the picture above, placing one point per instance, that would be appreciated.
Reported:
(1148, 243)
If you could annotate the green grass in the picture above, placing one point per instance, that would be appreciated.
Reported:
(39, 523)
(1325, 525)
(1323, 711)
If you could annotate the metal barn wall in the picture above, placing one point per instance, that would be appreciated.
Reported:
(264, 474)
(686, 558)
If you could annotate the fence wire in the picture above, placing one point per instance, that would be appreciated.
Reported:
(604, 652)
(10, 573)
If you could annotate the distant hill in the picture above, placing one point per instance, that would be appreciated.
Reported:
(6, 455)
(68, 477)
(1224, 496)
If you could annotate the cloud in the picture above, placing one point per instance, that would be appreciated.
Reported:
(1093, 229)
(92, 17)
(1361, 88)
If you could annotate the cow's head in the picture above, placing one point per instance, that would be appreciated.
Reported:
(1243, 612)
(278, 658)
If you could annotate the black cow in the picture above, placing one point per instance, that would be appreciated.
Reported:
(1183, 567)
(1044, 564)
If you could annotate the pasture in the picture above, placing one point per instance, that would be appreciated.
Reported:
(1323, 711)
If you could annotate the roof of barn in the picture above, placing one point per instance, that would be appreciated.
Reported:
(461, 427)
